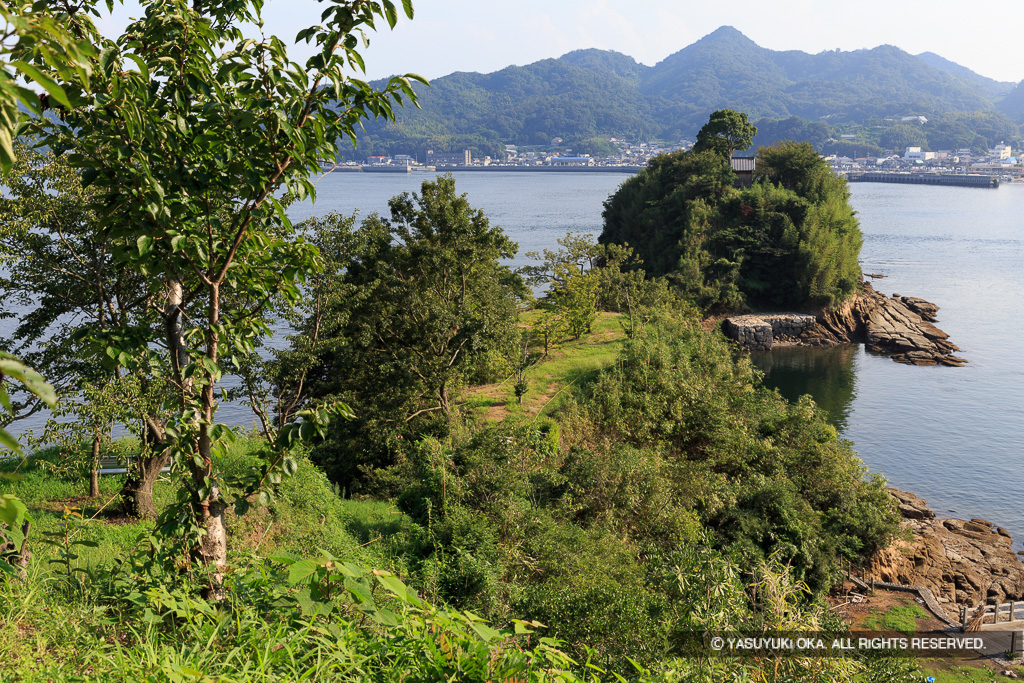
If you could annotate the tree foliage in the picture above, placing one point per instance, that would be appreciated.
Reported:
(187, 133)
(409, 308)
(725, 132)
(790, 240)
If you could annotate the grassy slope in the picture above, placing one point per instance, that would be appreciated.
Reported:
(568, 362)
(306, 515)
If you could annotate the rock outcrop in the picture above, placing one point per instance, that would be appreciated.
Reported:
(900, 327)
(967, 562)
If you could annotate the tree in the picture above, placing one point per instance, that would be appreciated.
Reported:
(654, 211)
(899, 136)
(576, 300)
(426, 298)
(829, 237)
(725, 132)
(790, 240)
(62, 282)
(188, 132)
(28, 32)
(13, 513)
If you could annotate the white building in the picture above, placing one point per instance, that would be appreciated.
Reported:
(915, 154)
(914, 119)
(1002, 151)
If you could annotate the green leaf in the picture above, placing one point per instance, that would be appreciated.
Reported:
(385, 617)
(301, 571)
(9, 441)
(108, 60)
(390, 13)
(144, 244)
(407, 6)
(141, 63)
(48, 84)
(393, 585)
(485, 632)
(360, 590)
(12, 511)
(311, 607)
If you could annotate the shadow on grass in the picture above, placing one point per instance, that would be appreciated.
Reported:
(368, 520)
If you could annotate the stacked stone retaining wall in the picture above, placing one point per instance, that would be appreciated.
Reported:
(761, 332)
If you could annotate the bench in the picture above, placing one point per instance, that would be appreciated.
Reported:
(111, 465)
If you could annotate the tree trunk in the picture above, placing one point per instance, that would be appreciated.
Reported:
(137, 492)
(10, 553)
(213, 551)
(94, 465)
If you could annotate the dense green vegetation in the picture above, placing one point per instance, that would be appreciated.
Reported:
(593, 93)
(375, 526)
(790, 240)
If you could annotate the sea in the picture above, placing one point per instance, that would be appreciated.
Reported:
(950, 435)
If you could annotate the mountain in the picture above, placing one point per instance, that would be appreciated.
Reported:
(992, 87)
(1013, 104)
(588, 95)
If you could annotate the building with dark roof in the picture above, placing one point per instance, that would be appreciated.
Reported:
(744, 168)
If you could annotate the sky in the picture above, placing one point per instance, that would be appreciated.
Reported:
(488, 35)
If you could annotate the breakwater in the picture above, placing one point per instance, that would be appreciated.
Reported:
(948, 179)
(487, 169)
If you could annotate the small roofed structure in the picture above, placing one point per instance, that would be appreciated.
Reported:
(744, 168)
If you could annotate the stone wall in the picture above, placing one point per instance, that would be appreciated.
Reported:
(761, 332)
(900, 327)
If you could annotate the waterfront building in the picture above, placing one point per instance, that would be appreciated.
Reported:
(915, 154)
(463, 158)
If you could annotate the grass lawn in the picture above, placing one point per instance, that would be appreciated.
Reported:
(567, 362)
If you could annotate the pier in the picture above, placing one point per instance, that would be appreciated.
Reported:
(926, 179)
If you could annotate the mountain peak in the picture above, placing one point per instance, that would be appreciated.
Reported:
(726, 33)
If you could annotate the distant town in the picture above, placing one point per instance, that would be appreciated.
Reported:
(999, 161)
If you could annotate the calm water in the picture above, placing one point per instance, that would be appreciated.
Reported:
(951, 435)
(948, 434)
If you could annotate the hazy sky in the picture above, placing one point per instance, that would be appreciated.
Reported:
(487, 35)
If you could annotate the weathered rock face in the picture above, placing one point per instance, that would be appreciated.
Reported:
(900, 327)
(963, 562)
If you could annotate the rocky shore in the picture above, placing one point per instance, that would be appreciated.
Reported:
(963, 562)
(898, 326)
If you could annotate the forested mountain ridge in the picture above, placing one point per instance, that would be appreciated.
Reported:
(595, 93)
(993, 87)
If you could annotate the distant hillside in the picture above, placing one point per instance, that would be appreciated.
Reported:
(590, 94)
(1013, 104)
(993, 88)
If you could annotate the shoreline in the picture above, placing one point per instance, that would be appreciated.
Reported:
(899, 327)
(965, 563)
